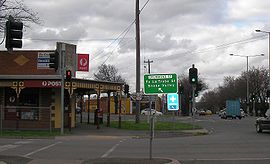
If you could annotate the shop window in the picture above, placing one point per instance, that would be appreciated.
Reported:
(29, 97)
(26, 107)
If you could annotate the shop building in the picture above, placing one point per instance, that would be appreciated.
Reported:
(30, 92)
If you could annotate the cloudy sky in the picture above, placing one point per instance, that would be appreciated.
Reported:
(174, 34)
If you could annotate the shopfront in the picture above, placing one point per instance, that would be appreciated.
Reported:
(30, 97)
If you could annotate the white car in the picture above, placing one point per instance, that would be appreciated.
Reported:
(153, 112)
(243, 114)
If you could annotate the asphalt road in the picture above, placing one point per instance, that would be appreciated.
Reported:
(229, 141)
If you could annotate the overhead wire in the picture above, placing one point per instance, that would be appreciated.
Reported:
(221, 46)
(121, 39)
(127, 29)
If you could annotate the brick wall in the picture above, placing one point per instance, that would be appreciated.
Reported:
(22, 63)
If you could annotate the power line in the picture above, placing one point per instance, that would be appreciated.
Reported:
(75, 40)
(124, 32)
(248, 40)
(127, 29)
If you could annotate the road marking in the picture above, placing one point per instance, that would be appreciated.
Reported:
(112, 149)
(6, 147)
(22, 142)
(41, 149)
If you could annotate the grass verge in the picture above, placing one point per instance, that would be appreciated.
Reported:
(161, 126)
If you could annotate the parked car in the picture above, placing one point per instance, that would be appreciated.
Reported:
(153, 112)
(208, 112)
(222, 113)
(243, 114)
(202, 113)
(78, 110)
(263, 123)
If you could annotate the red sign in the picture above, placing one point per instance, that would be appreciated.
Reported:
(42, 83)
(83, 62)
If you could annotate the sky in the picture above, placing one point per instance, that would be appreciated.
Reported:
(174, 34)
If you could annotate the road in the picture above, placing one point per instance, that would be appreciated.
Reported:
(230, 141)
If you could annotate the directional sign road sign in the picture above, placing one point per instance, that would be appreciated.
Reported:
(172, 101)
(160, 83)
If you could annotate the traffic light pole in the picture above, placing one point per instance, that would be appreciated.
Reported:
(62, 70)
(193, 104)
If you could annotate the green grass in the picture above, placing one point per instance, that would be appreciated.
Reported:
(143, 125)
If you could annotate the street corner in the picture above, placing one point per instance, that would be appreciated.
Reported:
(157, 160)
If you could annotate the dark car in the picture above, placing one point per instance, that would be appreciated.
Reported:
(78, 110)
(263, 123)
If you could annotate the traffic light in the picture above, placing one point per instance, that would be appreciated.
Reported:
(196, 93)
(68, 75)
(126, 89)
(193, 75)
(13, 34)
(181, 89)
(54, 60)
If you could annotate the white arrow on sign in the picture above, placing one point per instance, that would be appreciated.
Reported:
(159, 89)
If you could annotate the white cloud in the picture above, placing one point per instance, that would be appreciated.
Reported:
(174, 34)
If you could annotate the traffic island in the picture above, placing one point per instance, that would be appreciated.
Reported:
(131, 161)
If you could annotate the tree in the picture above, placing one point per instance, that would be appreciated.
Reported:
(236, 88)
(187, 93)
(18, 10)
(108, 73)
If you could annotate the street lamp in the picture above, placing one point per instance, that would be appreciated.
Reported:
(267, 32)
(247, 97)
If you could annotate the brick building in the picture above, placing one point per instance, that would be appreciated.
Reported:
(30, 93)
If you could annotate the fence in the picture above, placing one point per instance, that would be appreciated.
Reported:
(25, 118)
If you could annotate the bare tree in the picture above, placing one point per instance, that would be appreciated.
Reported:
(235, 88)
(108, 73)
(19, 11)
(187, 93)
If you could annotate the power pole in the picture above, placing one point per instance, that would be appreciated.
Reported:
(149, 62)
(137, 13)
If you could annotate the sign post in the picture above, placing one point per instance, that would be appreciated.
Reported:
(159, 84)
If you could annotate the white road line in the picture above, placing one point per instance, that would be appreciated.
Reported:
(41, 149)
(111, 150)
(6, 147)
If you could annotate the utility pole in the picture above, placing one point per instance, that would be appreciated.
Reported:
(137, 13)
(149, 62)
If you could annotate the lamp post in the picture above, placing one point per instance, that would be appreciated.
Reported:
(247, 97)
(267, 32)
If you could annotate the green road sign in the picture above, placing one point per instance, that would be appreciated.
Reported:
(160, 83)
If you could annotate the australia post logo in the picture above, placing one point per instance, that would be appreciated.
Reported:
(83, 62)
